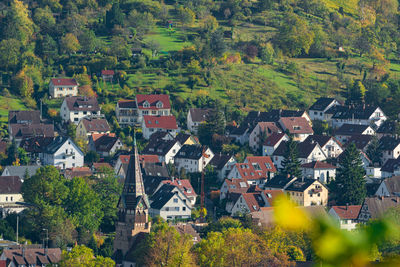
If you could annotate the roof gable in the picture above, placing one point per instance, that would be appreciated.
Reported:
(160, 122)
(150, 101)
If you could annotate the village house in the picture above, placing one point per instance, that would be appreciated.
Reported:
(346, 216)
(375, 207)
(62, 87)
(155, 169)
(233, 186)
(255, 170)
(262, 131)
(127, 113)
(78, 172)
(75, 108)
(89, 126)
(389, 187)
(184, 186)
(23, 256)
(299, 127)
(153, 105)
(272, 142)
(322, 171)
(222, 164)
(10, 195)
(307, 192)
(21, 171)
(106, 144)
(363, 115)
(307, 152)
(107, 75)
(63, 153)
(185, 139)
(170, 203)
(164, 149)
(390, 147)
(192, 159)
(35, 146)
(346, 131)
(331, 147)
(390, 168)
(360, 141)
(195, 117)
(152, 124)
(320, 107)
(254, 201)
(387, 128)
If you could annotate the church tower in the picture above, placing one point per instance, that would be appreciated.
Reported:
(133, 208)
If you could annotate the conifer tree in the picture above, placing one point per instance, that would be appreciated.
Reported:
(349, 186)
(374, 151)
(291, 163)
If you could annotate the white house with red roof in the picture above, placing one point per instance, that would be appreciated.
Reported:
(154, 105)
(299, 127)
(152, 124)
(322, 171)
(185, 186)
(272, 142)
(346, 216)
(74, 108)
(107, 75)
(62, 87)
(255, 170)
(262, 129)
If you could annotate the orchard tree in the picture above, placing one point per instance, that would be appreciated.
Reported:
(349, 185)
(69, 43)
(83, 256)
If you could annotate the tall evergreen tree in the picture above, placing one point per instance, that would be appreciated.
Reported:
(291, 163)
(349, 186)
(374, 151)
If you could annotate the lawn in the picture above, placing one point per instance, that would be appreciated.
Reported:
(9, 103)
(349, 6)
(168, 40)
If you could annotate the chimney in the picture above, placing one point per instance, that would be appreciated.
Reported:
(347, 206)
(23, 249)
(288, 176)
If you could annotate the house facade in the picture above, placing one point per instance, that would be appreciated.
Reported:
(324, 172)
(195, 117)
(88, 126)
(127, 113)
(153, 124)
(63, 153)
(164, 149)
(299, 127)
(346, 216)
(318, 110)
(192, 159)
(272, 142)
(74, 108)
(63, 87)
(307, 192)
(152, 105)
(259, 134)
(362, 115)
(10, 194)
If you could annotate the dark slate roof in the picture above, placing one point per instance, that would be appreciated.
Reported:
(377, 206)
(56, 144)
(162, 196)
(273, 139)
(182, 137)
(360, 140)
(10, 185)
(271, 116)
(32, 130)
(304, 149)
(320, 139)
(24, 116)
(96, 125)
(278, 181)
(300, 184)
(105, 142)
(335, 109)
(160, 147)
(155, 169)
(393, 184)
(190, 152)
(152, 182)
(199, 114)
(82, 103)
(391, 165)
(21, 171)
(351, 129)
(388, 143)
(360, 112)
(322, 103)
(219, 161)
(387, 127)
(36, 144)
(127, 104)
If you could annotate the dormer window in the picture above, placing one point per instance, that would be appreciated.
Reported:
(296, 128)
(146, 104)
(159, 104)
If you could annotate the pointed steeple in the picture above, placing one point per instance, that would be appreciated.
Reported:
(133, 187)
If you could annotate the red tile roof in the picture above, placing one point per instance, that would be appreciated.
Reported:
(124, 159)
(237, 185)
(318, 165)
(153, 100)
(347, 212)
(10, 185)
(148, 159)
(296, 125)
(64, 82)
(107, 72)
(96, 125)
(271, 195)
(264, 162)
(160, 122)
(273, 139)
(182, 184)
(101, 165)
(254, 201)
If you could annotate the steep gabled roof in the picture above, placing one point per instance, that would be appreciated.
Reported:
(36, 144)
(304, 149)
(23, 116)
(360, 140)
(194, 152)
(96, 125)
(387, 127)
(377, 206)
(151, 183)
(33, 256)
(20, 171)
(392, 184)
(10, 185)
(153, 100)
(162, 196)
(199, 114)
(301, 185)
(357, 113)
(351, 129)
(220, 160)
(32, 130)
(318, 165)
(273, 139)
(82, 103)
(278, 181)
(237, 185)
(160, 122)
(296, 125)
(350, 212)
(322, 103)
(160, 147)
(184, 185)
(254, 201)
(155, 169)
(320, 139)
(56, 144)
(64, 82)
(105, 142)
(391, 165)
(388, 143)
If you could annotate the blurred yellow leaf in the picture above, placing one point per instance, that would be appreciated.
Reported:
(287, 215)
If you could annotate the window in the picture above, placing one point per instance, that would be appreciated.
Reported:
(175, 200)
(11, 198)
(176, 208)
(6, 198)
(183, 208)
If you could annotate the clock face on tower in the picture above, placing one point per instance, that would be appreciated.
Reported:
(131, 189)
(140, 205)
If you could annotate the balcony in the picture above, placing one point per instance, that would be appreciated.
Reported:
(316, 190)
